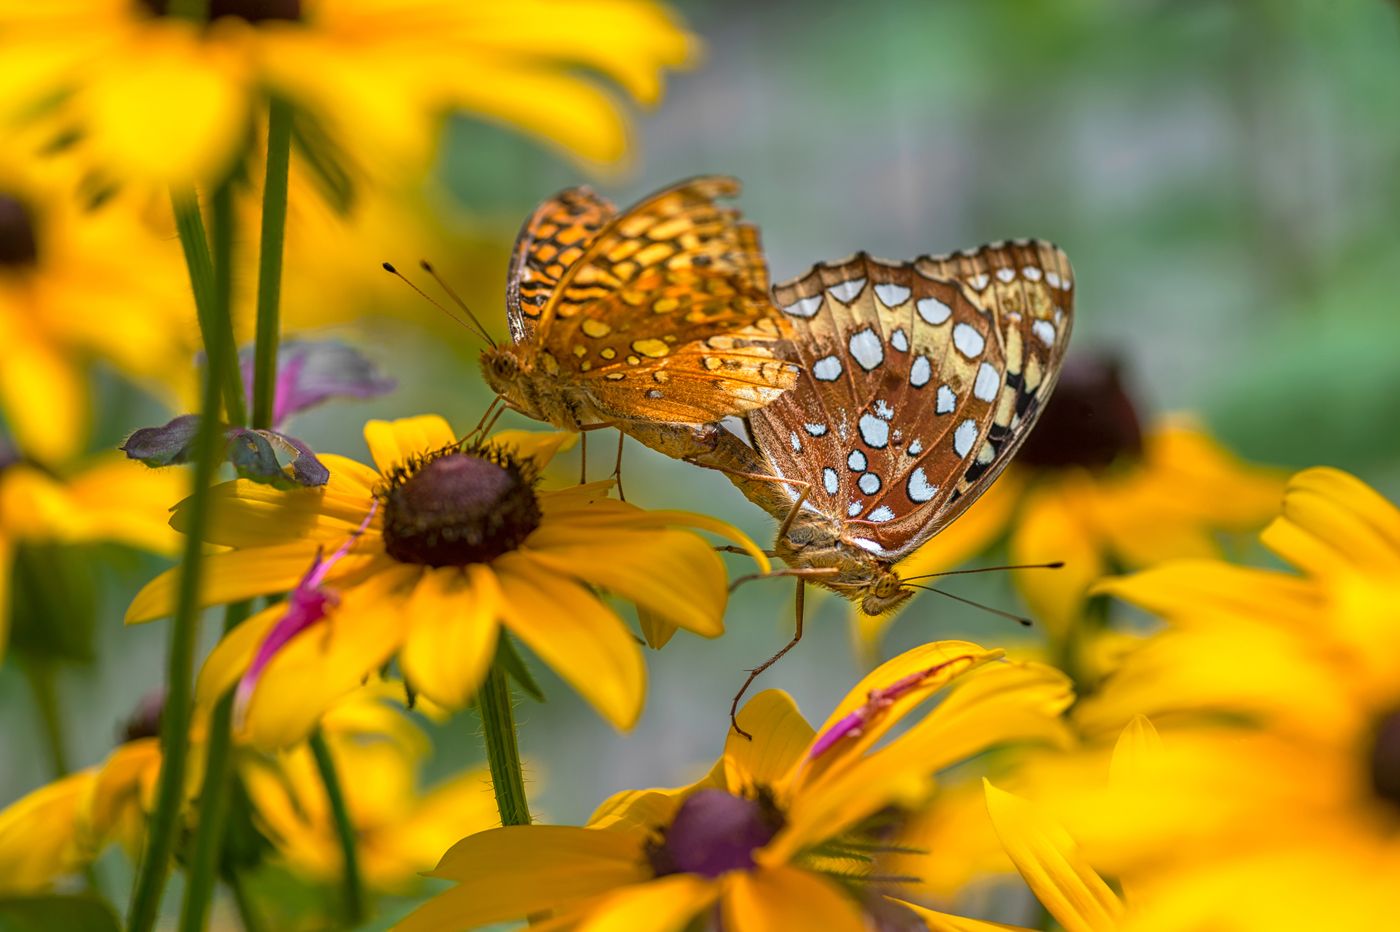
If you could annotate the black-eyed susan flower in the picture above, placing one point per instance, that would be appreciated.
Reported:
(152, 96)
(1092, 490)
(461, 544)
(778, 835)
(1273, 797)
(80, 290)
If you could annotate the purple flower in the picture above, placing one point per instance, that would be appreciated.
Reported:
(309, 373)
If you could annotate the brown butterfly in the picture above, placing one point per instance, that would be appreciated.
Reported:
(655, 315)
(919, 382)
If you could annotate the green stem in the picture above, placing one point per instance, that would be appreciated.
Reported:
(197, 10)
(213, 805)
(40, 675)
(344, 829)
(493, 703)
(175, 720)
(243, 902)
(215, 329)
(274, 228)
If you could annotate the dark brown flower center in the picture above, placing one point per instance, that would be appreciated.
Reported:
(1385, 759)
(19, 247)
(455, 508)
(1090, 420)
(714, 832)
(254, 11)
(145, 719)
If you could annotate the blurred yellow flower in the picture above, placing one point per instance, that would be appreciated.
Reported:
(777, 836)
(1091, 490)
(109, 499)
(1273, 800)
(59, 829)
(147, 95)
(80, 290)
(456, 544)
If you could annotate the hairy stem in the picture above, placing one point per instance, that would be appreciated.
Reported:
(344, 829)
(502, 752)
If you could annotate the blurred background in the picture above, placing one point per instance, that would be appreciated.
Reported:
(1222, 174)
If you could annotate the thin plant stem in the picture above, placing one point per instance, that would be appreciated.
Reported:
(175, 720)
(213, 807)
(200, 266)
(197, 10)
(493, 703)
(243, 902)
(344, 830)
(40, 674)
(274, 228)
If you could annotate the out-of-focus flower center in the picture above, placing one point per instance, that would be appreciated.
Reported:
(1089, 422)
(19, 248)
(457, 508)
(714, 832)
(145, 720)
(254, 11)
(1385, 759)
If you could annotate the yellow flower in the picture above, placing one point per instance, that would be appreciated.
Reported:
(776, 836)
(153, 97)
(457, 545)
(79, 288)
(1089, 489)
(59, 829)
(109, 499)
(1274, 798)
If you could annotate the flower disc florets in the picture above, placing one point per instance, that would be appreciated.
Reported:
(714, 832)
(19, 248)
(254, 11)
(455, 507)
(1089, 422)
(1385, 759)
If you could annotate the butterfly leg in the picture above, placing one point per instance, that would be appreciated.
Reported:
(582, 457)
(754, 673)
(617, 469)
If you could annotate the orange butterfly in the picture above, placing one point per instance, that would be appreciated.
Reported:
(657, 315)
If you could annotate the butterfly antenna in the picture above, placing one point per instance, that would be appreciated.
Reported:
(1058, 564)
(1019, 619)
(475, 331)
(456, 298)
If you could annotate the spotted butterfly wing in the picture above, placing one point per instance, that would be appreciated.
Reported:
(659, 312)
(920, 379)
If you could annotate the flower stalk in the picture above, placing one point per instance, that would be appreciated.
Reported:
(175, 726)
(214, 331)
(344, 829)
(274, 228)
(502, 750)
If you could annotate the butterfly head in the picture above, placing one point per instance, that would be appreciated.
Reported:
(857, 574)
(528, 385)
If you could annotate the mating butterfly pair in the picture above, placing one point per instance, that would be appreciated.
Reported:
(881, 398)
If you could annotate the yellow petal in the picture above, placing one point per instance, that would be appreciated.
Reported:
(44, 400)
(126, 502)
(577, 635)
(537, 446)
(781, 737)
(120, 787)
(1050, 862)
(330, 660)
(392, 443)
(672, 574)
(452, 640)
(780, 899)
(1345, 526)
(1052, 528)
(943, 922)
(1136, 751)
(231, 657)
(657, 632)
(588, 505)
(664, 905)
(1183, 590)
(516, 871)
(39, 835)
(236, 575)
(442, 816)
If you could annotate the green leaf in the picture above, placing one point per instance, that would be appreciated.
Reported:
(320, 153)
(514, 664)
(45, 913)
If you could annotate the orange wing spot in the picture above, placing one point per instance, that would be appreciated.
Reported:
(580, 351)
(624, 250)
(669, 229)
(665, 305)
(713, 362)
(653, 348)
(596, 328)
(608, 352)
(570, 235)
(661, 375)
(546, 251)
(586, 366)
(655, 254)
(634, 298)
(633, 360)
(551, 365)
(615, 376)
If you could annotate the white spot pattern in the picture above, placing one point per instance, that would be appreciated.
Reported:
(987, 384)
(979, 281)
(1030, 273)
(1006, 274)
(816, 430)
(915, 448)
(826, 369)
(1052, 279)
(856, 461)
(892, 295)
(846, 292)
(920, 372)
(796, 442)
(875, 432)
(865, 543)
(964, 437)
(854, 508)
(968, 341)
(883, 409)
(933, 311)
(867, 349)
(947, 400)
(1045, 330)
(804, 307)
(830, 480)
(919, 488)
(900, 340)
(883, 513)
(869, 483)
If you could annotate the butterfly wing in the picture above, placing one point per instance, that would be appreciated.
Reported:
(920, 379)
(554, 237)
(665, 314)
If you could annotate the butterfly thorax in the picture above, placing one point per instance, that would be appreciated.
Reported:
(815, 542)
(528, 385)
